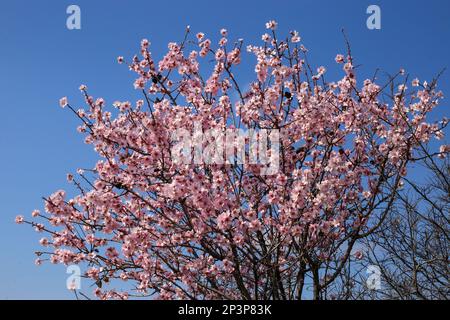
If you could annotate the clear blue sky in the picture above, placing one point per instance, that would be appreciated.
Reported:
(41, 60)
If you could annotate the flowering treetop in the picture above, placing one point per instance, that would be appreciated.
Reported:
(226, 231)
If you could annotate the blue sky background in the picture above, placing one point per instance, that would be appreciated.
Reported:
(41, 60)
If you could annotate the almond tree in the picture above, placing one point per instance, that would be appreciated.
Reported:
(227, 231)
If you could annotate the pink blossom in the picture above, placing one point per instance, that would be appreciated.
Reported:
(367, 194)
(295, 37)
(339, 58)
(63, 102)
(145, 43)
(43, 242)
(93, 273)
(271, 25)
(444, 149)
(358, 254)
(19, 219)
(200, 36)
(321, 70)
(39, 227)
